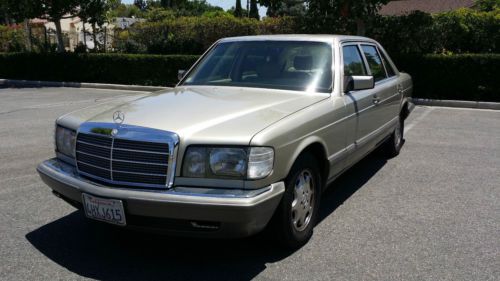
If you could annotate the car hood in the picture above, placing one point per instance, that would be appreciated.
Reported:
(209, 114)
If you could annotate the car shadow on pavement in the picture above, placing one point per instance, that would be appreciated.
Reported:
(102, 252)
(349, 182)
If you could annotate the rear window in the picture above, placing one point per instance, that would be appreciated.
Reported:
(353, 62)
(374, 62)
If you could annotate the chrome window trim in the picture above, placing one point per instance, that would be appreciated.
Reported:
(133, 133)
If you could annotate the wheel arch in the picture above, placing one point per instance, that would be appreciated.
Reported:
(317, 148)
(405, 109)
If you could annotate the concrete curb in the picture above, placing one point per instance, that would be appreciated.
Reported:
(458, 103)
(29, 83)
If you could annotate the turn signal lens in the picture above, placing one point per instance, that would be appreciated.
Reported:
(260, 162)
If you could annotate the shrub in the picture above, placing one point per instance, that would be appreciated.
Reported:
(454, 77)
(461, 31)
(12, 39)
(100, 68)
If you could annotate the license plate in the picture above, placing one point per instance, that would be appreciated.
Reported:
(107, 210)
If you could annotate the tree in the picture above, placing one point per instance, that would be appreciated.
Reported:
(324, 15)
(141, 4)
(172, 3)
(93, 12)
(21, 11)
(196, 8)
(238, 10)
(296, 8)
(488, 5)
(122, 10)
(4, 12)
(284, 8)
(254, 11)
(50, 10)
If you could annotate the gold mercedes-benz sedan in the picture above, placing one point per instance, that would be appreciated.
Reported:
(249, 138)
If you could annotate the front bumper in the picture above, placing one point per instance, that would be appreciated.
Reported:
(181, 210)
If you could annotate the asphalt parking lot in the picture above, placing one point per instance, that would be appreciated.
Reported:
(432, 213)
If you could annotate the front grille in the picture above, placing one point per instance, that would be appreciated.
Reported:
(122, 161)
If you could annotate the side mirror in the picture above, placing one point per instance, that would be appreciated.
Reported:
(356, 83)
(180, 74)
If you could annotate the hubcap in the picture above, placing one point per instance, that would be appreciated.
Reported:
(303, 201)
(398, 134)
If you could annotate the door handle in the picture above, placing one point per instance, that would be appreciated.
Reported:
(400, 88)
(376, 100)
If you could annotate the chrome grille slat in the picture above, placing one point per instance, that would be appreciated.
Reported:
(141, 151)
(99, 151)
(96, 139)
(140, 157)
(93, 160)
(139, 179)
(93, 144)
(140, 168)
(141, 146)
(123, 161)
(93, 166)
(97, 172)
(137, 173)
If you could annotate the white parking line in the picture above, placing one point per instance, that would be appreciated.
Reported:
(418, 119)
(467, 109)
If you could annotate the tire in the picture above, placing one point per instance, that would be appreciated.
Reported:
(394, 143)
(297, 212)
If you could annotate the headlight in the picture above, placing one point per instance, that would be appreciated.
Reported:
(195, 162)
(65, 141)
(228, 162)
(225, 162)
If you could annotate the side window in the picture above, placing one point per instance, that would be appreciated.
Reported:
(374, 62)
(390, 71)
(353, 62)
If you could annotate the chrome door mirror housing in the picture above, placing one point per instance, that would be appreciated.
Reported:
(180, 74)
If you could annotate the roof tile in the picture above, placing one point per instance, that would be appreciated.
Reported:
(396, 8)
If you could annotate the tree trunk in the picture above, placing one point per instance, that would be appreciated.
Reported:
(94, 36)
(60, 41)
(7, 18)
(105, 39)
(84, 35)
(28, 34)
(361, 27)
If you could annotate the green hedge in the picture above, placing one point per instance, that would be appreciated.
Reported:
(460, 31)
(455, 77)
(153, 70)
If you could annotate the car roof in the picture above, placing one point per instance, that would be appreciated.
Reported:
(298, 37)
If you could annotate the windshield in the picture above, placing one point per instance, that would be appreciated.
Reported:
(288, 65)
